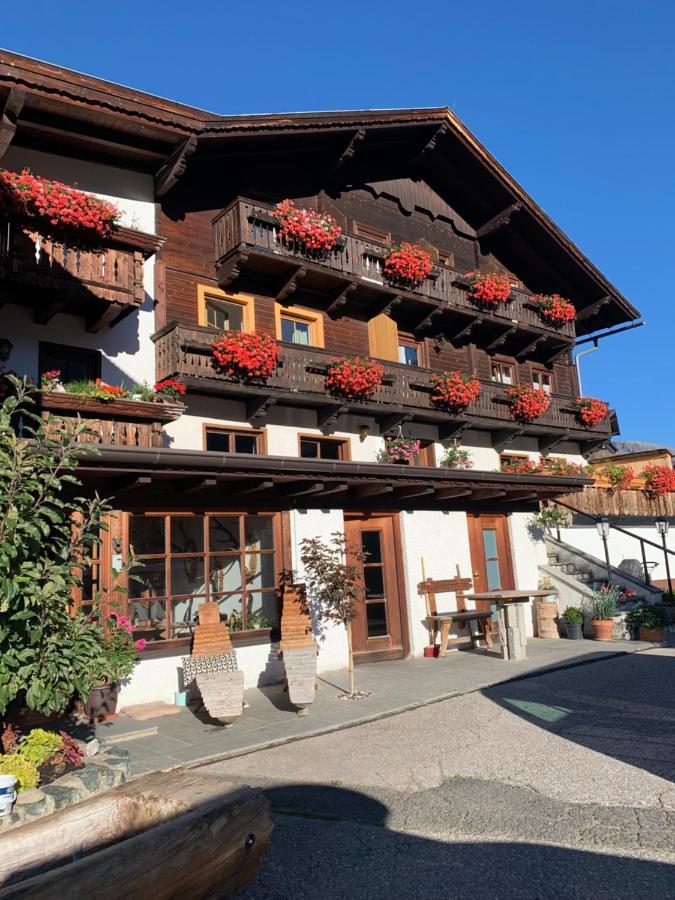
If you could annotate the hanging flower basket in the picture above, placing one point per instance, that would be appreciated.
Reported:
(407, 265)
(489, 287)
(246, 357)
(591, 411)
(527, 403)
(400, 450)
(659, 481)
(56, 204)
(306, 229)
(453, 391)
(456, 458)
(554, 308)
(354, 378)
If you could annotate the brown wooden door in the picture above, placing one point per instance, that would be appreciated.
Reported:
(491, 560)
(377, 628)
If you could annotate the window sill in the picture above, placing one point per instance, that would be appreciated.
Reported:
(181, 646)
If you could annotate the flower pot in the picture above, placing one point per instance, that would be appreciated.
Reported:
(101, 703)
(657, 635)
(7, 794)
(602, 629)
(575, 631)
(431, 650)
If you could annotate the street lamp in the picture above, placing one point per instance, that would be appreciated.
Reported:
(603, 530)
(662, 528)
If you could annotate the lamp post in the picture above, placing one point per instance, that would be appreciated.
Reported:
(662, 528)
(603, 530)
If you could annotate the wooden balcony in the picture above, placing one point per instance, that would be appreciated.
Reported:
(405, 395)
(53, 276)
(349, 281)
(632, 503)
(122, 423)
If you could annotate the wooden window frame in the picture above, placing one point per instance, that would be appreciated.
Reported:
(542, 370)
(91, 356)
(407, 339)
(344, 443)
(371, 233)
(246, 301)
(312, 317)
(505, 361)
(259, 433)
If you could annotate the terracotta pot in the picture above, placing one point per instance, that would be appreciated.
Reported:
(101, 703)
(431, 650)
(602, 629)
(657, 635)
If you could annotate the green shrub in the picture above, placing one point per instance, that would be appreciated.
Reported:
(38, 746)
(647, 616)
(574, 616)
(603, 604)
(24, 771)
(551, 517)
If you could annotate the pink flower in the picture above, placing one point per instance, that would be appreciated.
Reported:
(141, 644)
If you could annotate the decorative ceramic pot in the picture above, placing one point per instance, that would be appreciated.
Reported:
(575, 631)
(602, 629)
(656, 635)
(101, 703)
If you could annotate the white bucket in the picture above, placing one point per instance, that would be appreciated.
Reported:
(7, 794)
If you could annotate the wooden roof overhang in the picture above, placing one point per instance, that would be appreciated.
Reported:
(151, 479)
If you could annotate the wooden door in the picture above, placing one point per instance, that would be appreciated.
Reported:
(491, 559)
(377, 628)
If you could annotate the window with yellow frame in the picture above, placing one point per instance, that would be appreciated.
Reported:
(297, 325)
(225, 312)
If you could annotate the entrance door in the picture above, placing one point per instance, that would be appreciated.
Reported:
(491, 561)
(377, 628)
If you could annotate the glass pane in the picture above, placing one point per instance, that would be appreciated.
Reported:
(148, 579)
(376, 615)
(218, 440)
(259, 571)
(245, 443)
(490, 542)
(309, 449)
(146, 534)
(185, 615)
(371, 544)
(494, 581)
(187, 534)
(259, 533)
(225, 573)
(261, 610)
(230, 611)
(149, 618)
(408, 355)
(224, 533)
(374, 580)
(330, 449)
(225, 316)
(294, 332)
(507, 376)
(187, 575)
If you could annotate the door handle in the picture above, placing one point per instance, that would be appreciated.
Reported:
(476, 574)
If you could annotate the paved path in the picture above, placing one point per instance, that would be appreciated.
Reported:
(560, 785)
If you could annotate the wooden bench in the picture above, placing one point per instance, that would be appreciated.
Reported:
(443, 621)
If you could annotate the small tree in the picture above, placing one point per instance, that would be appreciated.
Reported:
(48, 653)
(333, 583)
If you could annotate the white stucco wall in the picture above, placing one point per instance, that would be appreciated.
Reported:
(621, 546)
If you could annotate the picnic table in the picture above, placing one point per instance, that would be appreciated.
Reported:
(509, 610)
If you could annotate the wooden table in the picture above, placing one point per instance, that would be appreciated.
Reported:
(509, 611)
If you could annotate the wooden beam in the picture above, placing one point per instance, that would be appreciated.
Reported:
(95, 323)
(258, 407)
(346, 154)
(530, 347)
(520, 495)
(549, 443)
(448, 430)
(45, 312)
(174, 168)
(10, 107)
(388, 423)
(373, 490)
(429, 147)
(427, 320)
(251, 486)
(299, 488)
(127, 483)
(503, 337)
(466, 330)
(450, 493)
(505, 436)
(290, 285)
(334, 488)
(232, 268)
(488, 494)
(414, 490)
(340, 298)
(191, 485)
(390, 305)
(326, 416)
(593, 309)
(499, 221)
(560, 349)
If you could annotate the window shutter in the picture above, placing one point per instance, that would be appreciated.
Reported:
(383, 338)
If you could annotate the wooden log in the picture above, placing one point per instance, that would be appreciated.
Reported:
(167, 835)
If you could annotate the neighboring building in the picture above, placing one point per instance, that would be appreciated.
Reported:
(218, 499)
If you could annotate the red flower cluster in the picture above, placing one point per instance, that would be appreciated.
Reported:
(354, 378)
(62, 206)
(527, 403)
(312, 229)
(50, 379)
(408, 264)
(517, 465)
(554, 308)
(109, 391)
(563, 467)
(454, 391)
(490, 287)
(591, 411)
(170, 387)
(659, 480)
(247, 357)
(619, 477)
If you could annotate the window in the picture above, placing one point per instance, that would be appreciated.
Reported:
(187, 559)
(225, 312)
(323, 448)
(542, 380)
(502, 372)
(410, 351)
(446, 258)
(299, 326)
(74, 363)
(370, 233)
(234, 440)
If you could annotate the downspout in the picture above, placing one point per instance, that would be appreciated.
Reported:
(578, 357)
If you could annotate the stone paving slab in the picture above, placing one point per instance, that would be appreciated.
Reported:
(395, 687)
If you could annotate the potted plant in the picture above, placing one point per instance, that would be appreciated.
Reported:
(602, 606)
(591, 411)
(456, 457)
(169, 390)
(649, 622)
(245, 356)
(489, 287)
(527, 403)
(659, 481)
(116, 663)
(453, 391)
(399, 449)
(574, 623)
(551, 517)
(520, 465)
(306, 229)
(354, 377)
(553, 308)
(407, 265)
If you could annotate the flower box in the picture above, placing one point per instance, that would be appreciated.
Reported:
(591, 411)
(453, 391)
(246, 357)
(527, 403)
(407, 265)
(354, 378)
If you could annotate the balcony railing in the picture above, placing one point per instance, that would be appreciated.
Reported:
(61, 275)
(246, 231)
(405, 394)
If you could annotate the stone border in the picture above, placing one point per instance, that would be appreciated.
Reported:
(100, 773)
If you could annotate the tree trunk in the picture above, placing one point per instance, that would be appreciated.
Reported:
(351, 658)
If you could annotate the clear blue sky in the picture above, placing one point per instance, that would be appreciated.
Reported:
(576, 99)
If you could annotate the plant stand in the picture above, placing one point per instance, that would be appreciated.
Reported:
(298, 649)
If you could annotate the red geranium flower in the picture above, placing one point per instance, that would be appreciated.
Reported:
(554, 308)
(527, 403)
(312, 230)
(591, 411)
(659, 481)
(489, 287)
(354, 378)
(170, 387)
(408, 264)
(454, 391)
(246, 357)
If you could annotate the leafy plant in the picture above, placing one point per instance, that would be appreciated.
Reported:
(25, 772)
(668, 597)
(603, 604)
(119, 651)
(619, 477)
(334, 584)
(551, 517)
(573, 615)
(647, 617)
(143, 391)
(69, 753)
(456, 458)
(38, 746)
